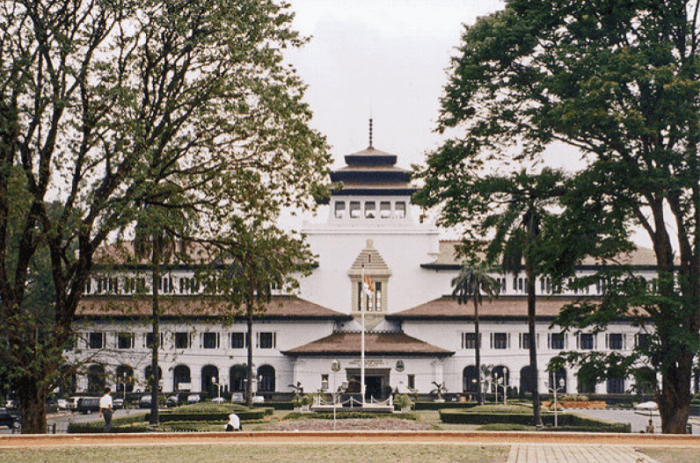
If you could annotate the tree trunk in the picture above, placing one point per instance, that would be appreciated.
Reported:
(155, 376)
(477, 354)
(531, 308)
(33, 407)
(674, 401)
(249, 390)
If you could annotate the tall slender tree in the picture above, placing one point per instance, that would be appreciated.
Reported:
(472, 283)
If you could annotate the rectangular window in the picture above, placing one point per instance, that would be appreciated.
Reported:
(102, 285)
(354, 209)
(378, 296)
(411, 381)
(210, 340)
(500, 341)
(615, 341)
(400, 208)
(525, 340)
(125, 340)
(113, 285)
(267, 340)
(339, 209)
(643, 340)
(385, 209)
(150, 338)
(182, 340)
(324, 382)
(166, 285)
(239, 340)
(88, 286)
(370, 210)
(557, 341)
(468, 340)
(586, 341)
(616, 386)
(96, 340)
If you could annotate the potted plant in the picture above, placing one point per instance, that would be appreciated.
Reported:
(404, 402)
(306, 401)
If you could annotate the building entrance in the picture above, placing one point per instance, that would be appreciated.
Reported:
(377, 383)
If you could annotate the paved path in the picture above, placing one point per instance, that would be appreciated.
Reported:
(581, 453)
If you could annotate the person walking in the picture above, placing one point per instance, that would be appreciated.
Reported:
(106, 409)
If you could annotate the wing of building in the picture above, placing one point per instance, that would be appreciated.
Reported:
(375, 259)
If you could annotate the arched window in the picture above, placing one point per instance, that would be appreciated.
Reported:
(237, 377)
(210, 375)
(267, 379)
(181, 375)
(527, 379)
(148, 375)
(470, 380)
(96, 379)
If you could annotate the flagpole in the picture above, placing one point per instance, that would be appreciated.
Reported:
(363, 307)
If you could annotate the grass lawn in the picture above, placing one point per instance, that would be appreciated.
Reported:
(672, 455)
(264, 453)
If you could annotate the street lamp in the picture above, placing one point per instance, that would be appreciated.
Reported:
(335, 366)
(554, 390)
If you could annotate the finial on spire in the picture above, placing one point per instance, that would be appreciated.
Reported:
(370, 132)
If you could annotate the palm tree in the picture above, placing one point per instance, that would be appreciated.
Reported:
(156, 232)
(517, 230)
(472, 283)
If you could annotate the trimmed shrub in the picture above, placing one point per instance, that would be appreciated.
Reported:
(566, 421)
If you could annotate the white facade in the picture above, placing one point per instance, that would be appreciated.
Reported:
(420, 338)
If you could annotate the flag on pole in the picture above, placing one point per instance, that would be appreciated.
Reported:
(367, 285)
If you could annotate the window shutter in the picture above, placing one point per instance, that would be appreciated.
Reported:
(578, 341)
(508, 341)
(520, 340)
(491, 340)
(549, 340)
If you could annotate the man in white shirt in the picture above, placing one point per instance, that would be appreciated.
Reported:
(106, 409)
(234, 423)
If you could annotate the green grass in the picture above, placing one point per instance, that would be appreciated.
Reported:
(268, 453)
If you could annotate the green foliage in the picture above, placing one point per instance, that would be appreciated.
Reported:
(403, 401)
(196, 113)
(620, 83)
(523, 417)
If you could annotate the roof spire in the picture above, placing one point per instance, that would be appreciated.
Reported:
(370, 133)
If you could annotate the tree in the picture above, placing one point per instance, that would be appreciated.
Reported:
(502, 217)
(103, 105)
(257, 262)
(617, 80)
(472, 281)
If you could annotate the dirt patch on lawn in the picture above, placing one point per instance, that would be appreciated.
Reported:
(350, 424)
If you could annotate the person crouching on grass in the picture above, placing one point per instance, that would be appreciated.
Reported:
(106, 409)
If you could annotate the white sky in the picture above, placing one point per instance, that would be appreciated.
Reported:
(387, 58)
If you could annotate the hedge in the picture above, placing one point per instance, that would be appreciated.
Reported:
(215, 414)
(569, 421)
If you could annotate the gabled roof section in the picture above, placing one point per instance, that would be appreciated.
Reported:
(279, 308)
(448, 259)
(371, 260)
(375, 344)
(447, 308)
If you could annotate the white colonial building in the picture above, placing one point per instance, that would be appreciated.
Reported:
(416, 335)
